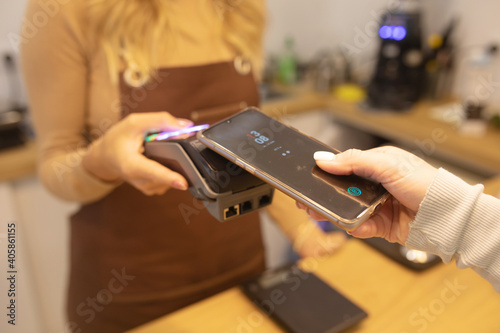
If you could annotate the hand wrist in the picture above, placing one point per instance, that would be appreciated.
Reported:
(94, 164)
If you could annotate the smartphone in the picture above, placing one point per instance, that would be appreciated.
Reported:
(283, 157)
(301, 302)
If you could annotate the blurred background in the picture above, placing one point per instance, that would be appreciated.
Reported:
(350, 50)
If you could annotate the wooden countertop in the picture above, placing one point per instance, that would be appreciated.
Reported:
(417, 129)
(440, 299)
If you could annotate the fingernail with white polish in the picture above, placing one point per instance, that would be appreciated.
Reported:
(324, 156)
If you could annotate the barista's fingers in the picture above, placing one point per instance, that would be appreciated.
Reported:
(156, 190)
(140, 122)
(140, 167)
(149, 187)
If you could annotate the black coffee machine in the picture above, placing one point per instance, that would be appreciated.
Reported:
(399, 76)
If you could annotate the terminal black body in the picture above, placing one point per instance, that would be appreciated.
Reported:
(225, 189)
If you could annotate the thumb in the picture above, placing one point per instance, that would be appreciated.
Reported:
(404, 175)
(370, 163)
(144, 168)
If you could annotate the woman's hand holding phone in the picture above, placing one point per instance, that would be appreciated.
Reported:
(117, 155)
(404, 175)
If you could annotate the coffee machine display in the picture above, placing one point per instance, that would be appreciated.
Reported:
(399, 75)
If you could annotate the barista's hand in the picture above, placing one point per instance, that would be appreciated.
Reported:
(117, 155)
(403, 174)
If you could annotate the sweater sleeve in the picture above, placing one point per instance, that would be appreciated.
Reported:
(457, 221)
(55, 65)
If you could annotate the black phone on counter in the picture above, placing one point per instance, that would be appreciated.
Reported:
(300, 302)
(283, 157)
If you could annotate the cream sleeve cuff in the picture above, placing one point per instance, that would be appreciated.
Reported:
(457, 221)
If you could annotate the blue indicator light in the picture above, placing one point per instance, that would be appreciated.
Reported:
(399, 33)
(385, 32)
(354, 191)
(394, 32)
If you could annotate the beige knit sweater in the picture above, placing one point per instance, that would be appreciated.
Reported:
(458, 221)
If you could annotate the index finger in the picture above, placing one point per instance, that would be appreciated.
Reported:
(150, 121)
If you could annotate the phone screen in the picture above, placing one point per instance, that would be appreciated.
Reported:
(284, 157)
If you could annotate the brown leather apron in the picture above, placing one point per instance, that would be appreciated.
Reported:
(135, 258)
